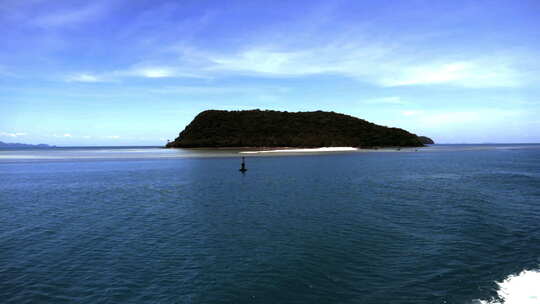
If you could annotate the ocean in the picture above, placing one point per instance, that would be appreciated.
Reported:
(442, 224)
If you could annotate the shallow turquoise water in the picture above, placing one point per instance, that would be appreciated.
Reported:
(436, 226)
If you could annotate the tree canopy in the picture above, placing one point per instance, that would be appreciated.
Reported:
(256, 128)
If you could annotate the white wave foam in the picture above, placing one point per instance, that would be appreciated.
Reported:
(523, 288)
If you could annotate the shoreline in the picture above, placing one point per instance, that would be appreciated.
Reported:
(286, 150)
(301, 150)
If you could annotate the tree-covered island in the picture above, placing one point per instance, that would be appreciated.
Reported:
(256, 128)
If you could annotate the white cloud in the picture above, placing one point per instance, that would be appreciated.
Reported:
(384, 67)
(429, 74)
(112, 137)
(65, 135)
(482, 73)
(219, 90)
(274, 63)
(154, 72)
(137, 70)
(379, 63)
(15, 134)
(84, 78)
(151, 70)
(264, 62)
(437, 118)
(359, 52)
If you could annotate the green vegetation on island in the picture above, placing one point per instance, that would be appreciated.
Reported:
(256, 128)
(426, 140)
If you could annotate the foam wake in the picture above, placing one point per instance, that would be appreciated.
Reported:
(523, 288)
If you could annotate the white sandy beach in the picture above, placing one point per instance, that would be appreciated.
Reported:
(330, 149)
(305, 150)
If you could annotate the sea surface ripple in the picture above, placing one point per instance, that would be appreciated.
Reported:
(420, 227)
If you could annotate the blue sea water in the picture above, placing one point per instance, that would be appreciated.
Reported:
(149, 225)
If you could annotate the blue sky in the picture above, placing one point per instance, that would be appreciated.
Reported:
(128, 72)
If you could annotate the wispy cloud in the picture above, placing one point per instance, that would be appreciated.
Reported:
(376, 68)
(157, 72)
(325, 41)
(14, 134)
(364, 52)
(383, 66)
(69, 16)
(135, 71)
(379, 63)
(438, 118)
(219, 90)
(84, 77)
(483, 72)
(390, 100)
(65, 135)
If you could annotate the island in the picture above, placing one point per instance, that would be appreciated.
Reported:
(426, 140)
(266, 128)
(19, 145)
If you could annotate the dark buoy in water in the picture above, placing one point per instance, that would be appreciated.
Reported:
(243, 166)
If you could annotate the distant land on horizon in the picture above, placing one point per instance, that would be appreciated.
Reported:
(267, 128)
(20, 145)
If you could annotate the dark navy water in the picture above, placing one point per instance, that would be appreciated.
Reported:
(434, 226)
